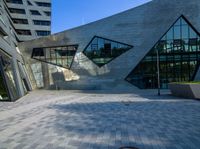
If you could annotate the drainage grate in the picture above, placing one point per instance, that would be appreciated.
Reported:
(128, 147)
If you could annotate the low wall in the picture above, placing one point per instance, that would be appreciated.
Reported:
(185, 90)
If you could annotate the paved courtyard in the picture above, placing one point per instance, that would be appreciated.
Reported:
(74, 120)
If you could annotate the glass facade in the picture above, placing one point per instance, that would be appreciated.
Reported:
(101, 51)
(60, 56)
(178, 54)
(8, 89)
(4, 95)
(23, 77)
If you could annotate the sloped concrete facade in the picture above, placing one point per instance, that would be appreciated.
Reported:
(8, 47)
(141, 27)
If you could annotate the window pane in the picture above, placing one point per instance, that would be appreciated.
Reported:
(185, 31)
(60, 56)
(192, 33)
(170, 34)
(101, 51)
(177, 32)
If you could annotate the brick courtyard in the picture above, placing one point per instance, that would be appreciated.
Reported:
(74, 120)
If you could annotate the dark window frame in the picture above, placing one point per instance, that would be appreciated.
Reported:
(14, 1)
(131, 47)
(20, 21)
(23, 31)
(38, 33)
(35, 13)
(42, 23)
(73, 45)
(17, 11)
(43, 4)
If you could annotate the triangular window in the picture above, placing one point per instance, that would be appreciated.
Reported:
(178, 54)
(60, 56)
(101, 51)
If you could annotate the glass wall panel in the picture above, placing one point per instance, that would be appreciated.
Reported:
(8, 90)
(24, 77)
(179, 58)
(59, 56)
(4, 95)
(185, 31)
(101, 51)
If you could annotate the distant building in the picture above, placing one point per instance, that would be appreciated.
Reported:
(30, 18)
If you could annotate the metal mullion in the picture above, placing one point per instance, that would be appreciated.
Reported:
(68, 57)
(45, 50)
(61, 56)
(190, 50)
(56, 56)
(166, 68)
(152, 75)
(189, 66)
(50, 56)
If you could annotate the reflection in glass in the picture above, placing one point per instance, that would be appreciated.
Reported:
(179, 58)
(59, 56)
(23, 77)
(3, 91)
(101, 51)
(8, 89)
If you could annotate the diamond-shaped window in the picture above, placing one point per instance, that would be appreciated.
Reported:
(59, 56)
(101, 51)
(178, 54)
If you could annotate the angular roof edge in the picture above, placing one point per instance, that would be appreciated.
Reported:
(125, 11)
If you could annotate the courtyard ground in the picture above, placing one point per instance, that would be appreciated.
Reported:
(99, 120)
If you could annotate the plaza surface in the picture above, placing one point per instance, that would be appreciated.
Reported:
(99, 120)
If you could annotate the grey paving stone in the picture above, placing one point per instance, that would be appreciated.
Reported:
(69, 119)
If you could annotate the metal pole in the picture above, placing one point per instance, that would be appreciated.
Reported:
(158, 71)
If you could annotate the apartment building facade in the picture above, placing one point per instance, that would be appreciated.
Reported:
(31, 18)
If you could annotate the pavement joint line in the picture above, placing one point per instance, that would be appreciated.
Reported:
(21, 109)
(12, 129)
(87, 121)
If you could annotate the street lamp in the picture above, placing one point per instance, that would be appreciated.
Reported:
(158, 71)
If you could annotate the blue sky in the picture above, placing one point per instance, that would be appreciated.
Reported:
(67, 14)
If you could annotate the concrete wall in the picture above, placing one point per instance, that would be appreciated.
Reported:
(185, 90)
(141, 27)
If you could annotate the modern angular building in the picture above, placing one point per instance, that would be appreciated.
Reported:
(17, 25)
(121, 51)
